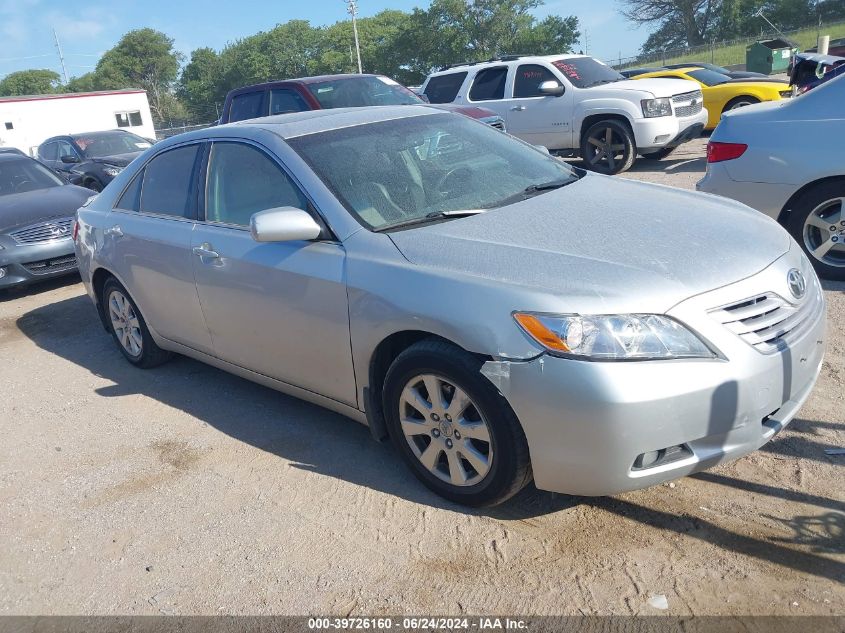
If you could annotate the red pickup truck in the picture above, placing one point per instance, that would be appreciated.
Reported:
(332, 91)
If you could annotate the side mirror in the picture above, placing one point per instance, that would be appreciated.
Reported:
(551, 89)
(69, 159)
(283, 224)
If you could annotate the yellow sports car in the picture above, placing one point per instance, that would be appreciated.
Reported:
(721, 93)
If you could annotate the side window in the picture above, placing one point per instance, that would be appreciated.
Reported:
(122, 119)
(131, 198)
(247, 106)
(243, 180)
(135, 118)
(65, 149)
(489, 84)
(169, 179)
(285, 100)
(48, 151)
(444, 88)
(528, 79)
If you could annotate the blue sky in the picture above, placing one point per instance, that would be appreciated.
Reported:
(87, 29)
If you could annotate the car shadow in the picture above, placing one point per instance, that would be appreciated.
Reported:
(14, 293)
(670, 165)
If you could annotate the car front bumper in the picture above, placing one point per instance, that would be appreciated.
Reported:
(587, 423)
(767, 197)
(669, 131)
(26, 264)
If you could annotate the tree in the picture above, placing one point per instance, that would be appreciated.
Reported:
(145, 59)
(692, 16)
(200, 84)
(83, 83)
(30, 82)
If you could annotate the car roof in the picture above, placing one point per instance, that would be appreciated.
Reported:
(507, 60)
(6, 157)
(301, 80)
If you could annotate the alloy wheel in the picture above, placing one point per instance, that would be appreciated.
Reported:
(445, 430)
(606, 147)
(125, 323)
(824, 232)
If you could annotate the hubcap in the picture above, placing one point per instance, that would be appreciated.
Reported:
(125, 323)
(606, 148)
(445, 430)
(824, 232)
(740, 104)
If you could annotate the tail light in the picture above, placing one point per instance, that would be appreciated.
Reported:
(717, 152)
(75, 229)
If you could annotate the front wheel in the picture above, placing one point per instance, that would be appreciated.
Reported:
(608, 147)
(94, 185)
(740, 102)
(452, 427)
(817, 223)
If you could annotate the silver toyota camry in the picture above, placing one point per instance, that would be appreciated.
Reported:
(499, 315)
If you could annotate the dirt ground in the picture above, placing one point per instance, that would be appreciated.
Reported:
(184, 490)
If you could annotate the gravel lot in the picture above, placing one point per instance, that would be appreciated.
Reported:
(184, 490)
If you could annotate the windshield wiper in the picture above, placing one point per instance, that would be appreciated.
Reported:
(536, 189)
(430, 217)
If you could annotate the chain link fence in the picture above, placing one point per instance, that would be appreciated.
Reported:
(172, 129)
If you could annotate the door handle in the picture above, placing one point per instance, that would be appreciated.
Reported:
(205, 251)
(115, 230)
(518, 108)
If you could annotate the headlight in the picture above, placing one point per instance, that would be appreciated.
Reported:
(613, 336)
(112, 171)
(656, 107)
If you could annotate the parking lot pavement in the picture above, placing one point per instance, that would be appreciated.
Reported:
(186, 490)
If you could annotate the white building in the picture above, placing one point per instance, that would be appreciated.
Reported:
(25, 122)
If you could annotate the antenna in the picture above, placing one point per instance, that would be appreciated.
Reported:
(61, 55)
(352, 9)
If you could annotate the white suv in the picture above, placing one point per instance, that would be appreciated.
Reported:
(573, 104)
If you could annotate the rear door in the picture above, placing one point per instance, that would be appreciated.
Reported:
(487, 89)
(536, 118)
(248, 105)
(278, 309)
(148, 243)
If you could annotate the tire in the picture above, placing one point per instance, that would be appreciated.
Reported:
(94, 185)
(740, 102)
(138, 346)
(487, 471)
(817, 222)
(659, 154)
(605, 134)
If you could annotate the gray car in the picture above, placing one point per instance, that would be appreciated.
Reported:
(36, 217)
(498, 314)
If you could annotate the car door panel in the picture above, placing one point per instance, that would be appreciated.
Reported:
(540, 120)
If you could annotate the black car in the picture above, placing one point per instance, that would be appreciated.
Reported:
(633, 72)
(11, 150)
(37, 210)
(741, 75)
(92, 158)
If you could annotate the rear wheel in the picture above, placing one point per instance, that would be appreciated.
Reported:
(129, 329)
(817, 223)
(659, 154)
(608, 147)
(452, 427)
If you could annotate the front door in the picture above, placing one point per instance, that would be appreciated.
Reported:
(536, 118)
(278, 309)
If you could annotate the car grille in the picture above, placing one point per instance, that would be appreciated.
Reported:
(499, 125)
(693, 103)
(44, 232)
(47, 266)
(769, 322)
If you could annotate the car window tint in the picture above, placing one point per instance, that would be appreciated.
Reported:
(528, 79)
(243, 180)
(65, 149)
(285, 100)
(131, 198)
(168, 186)
(247, 106)
(48, 151)
(444, 88)
(489, 84)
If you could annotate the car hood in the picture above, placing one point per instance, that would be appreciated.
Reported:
(120, 160)
(21, 209)
(658, 86)
(605, 244)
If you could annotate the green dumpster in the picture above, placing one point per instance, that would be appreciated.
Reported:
(769, 56)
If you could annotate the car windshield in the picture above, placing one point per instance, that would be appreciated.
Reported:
(410, 170)
(708, 77)
(360, 92)
(101, 144)
(586, 72)
(20, 175)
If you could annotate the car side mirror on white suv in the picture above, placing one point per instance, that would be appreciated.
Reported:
(283, 224)
(551, 89)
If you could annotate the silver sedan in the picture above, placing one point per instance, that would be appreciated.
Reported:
(496, 313)
(784, 158)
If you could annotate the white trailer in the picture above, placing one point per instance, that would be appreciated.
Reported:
(25, 122)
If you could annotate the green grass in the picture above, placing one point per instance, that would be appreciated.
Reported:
(735, 53)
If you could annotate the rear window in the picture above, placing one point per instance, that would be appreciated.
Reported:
(247, 106)
(586, 72)
(444, 88)
(489, 84)
(356, 92)
(708, 77)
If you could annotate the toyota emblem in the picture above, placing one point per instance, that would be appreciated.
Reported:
(796, 282)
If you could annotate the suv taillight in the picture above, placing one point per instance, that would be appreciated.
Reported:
(717, 152)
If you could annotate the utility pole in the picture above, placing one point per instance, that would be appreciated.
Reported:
(352, 9)
(61, 55)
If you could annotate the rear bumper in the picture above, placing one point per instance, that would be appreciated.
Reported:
(22, 265)
(766, 197)
(659, 132)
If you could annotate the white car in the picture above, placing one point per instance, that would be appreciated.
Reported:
(785, 158)
(578, 105)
